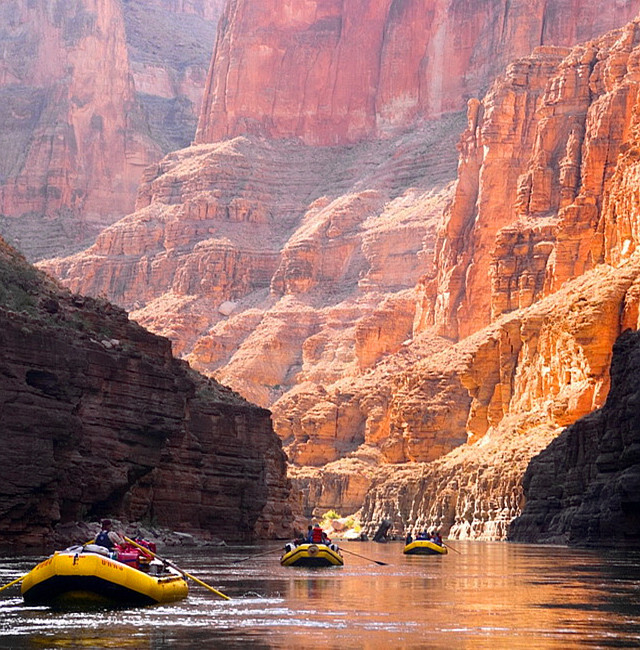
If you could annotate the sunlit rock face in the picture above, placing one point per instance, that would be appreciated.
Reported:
(332, 72)
(557, 285)
(99, 419)
(273, 265)
(529, 375)
(533, 201)
(585, 487)
(91, 93)
(324, 282)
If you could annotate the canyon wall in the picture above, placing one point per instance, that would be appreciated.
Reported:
(585, 486)
(334, 72)
(170, 44)
(557, 274)
(91, 93)
(420, 326)
(99, 419)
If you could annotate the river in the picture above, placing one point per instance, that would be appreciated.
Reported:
(485, 595)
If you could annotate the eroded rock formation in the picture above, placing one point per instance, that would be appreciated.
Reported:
(555, 284)
(98, 418)
(584, 487)
(431, 358)
(91, 93)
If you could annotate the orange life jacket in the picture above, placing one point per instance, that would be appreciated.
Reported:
(316, 535)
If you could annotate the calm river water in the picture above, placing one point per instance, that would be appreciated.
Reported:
(488, 595)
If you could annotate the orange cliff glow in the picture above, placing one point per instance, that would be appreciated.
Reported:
(324, 283)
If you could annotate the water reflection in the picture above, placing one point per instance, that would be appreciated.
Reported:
(484, 596)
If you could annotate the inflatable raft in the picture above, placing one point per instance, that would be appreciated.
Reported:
(424, 547)
(311, 555)
(83, 577)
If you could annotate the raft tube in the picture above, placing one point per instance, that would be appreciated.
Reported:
(90, 579)
(311, 555)
(424, 547)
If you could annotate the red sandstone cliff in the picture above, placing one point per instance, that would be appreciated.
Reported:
(337, 72)
(585, 487)
(553, 278)
(91, 93)
(98, 418)
(324, 282)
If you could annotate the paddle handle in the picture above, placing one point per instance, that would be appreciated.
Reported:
(13, 582)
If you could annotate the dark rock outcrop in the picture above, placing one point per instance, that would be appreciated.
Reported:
(98, 418)
(584, 488)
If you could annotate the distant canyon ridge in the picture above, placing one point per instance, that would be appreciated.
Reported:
(91, 93)
(408, 229)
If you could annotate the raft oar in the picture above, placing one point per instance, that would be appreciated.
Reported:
(363, 557)
(452, 548)
(177, 568)
(273, 550)
(13, 582)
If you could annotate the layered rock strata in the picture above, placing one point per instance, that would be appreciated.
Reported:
(98, 418)
(585, 486)
(338, 72)
(530, 374)
(297, 283)
(91, 93)
(170, 45)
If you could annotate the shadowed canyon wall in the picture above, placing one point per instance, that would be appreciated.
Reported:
(91, 93)
(420, 331)
(98, 418)
(585, 487)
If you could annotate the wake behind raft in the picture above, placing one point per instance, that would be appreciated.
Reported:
(90, 575)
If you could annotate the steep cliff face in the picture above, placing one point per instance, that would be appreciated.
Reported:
(537, 163)
(553, 278)
(68, 117)
(528, 375)
(585, 486)
(99, 418)
(92, 92)
(426, 361)
(338, 72)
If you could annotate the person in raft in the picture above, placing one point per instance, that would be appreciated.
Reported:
(316, 535)
(107, 537)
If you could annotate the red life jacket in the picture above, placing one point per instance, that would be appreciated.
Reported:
(316, 535)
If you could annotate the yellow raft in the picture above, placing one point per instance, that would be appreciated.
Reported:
(424, 547)
(311, 555)
(81, 578)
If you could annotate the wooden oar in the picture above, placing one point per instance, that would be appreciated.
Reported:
(344, 550)
(13, 582)
(452, 548)
(273, 550)
(177, 568)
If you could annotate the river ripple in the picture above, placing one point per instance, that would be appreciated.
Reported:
(487, 595)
